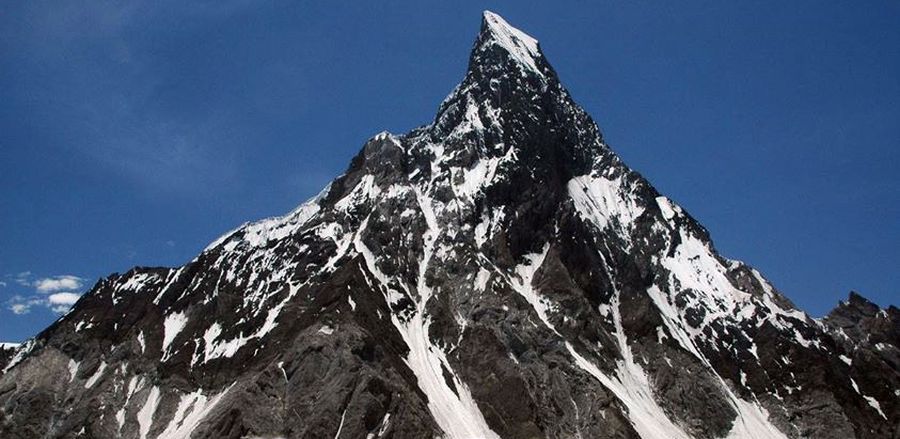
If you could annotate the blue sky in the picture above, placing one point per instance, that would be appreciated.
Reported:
(134, 133)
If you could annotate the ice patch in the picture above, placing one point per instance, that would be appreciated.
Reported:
(382, 427)
(96, 376)
(485, 229)
(135, 283)
(481, 279)
(216, 349)
(341, 425)
(140, 339)
(875, 405)
(523, 284)
(600, 201)
(871, 401)
(73, 369)
(365, 190)
(261, 232)
(173, 324)
(667, 208)
(694, 266)
(752, 422)
(145, 415)
(471, 120)
(480, 176)
(133, 385)
(192, 409)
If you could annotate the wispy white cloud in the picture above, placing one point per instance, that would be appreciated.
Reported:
(112, 101)
(23, 278)
(22, 305)
(58, 283)
(63, 298)
(19, 308)
(57, 293)
(61, 302)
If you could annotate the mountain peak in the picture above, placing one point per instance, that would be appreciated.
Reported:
(521, 47)
(506, 74)
(418, 294)
(855, 307)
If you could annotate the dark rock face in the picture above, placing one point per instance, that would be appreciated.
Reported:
(497, 273)
(7, 351)
(869, 339)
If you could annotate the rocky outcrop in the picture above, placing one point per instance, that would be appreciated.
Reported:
(7, 351)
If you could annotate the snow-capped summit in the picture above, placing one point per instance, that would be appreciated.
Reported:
(521, 46)
(497, 273)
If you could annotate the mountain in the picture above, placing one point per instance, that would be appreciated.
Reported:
(499, 272)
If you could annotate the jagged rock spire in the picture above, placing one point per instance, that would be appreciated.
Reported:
(505, 66)
(499, 37)
(511, 95)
